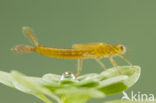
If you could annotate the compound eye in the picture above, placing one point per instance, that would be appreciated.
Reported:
(122, 47)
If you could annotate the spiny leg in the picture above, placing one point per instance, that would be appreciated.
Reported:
(114, 64)
(100, 62)
(122, 57)
(79, 67)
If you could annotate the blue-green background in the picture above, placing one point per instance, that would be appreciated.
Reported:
(61, 23)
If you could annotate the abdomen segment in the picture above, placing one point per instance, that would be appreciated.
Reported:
(64, 53)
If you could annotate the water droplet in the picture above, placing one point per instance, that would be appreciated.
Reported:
(67, 75)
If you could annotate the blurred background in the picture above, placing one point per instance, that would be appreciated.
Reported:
(61, 23)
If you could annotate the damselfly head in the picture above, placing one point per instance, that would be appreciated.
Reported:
(121, 48)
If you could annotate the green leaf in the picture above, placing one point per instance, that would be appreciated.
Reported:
(113, 83)
(80, 91)
(71, 90)
(6, 79)
(78, 95)
(43, 98)
(30, 85)
(87, 83)
(90, 76)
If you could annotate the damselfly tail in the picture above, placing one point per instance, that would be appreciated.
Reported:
(29, 33)
(19, 49)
